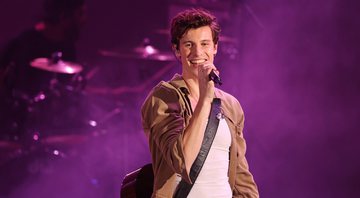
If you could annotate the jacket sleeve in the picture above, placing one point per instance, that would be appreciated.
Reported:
(163, 121)
(245, 186)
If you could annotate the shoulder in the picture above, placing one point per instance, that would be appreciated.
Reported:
(230, 105)
(162, 101)
(28, 35)
(227, 98)
(163, 94)
(164, 91)
(16, 45)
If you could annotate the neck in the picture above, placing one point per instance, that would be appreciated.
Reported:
(193, 85)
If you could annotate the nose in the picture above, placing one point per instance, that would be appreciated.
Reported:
(197, 50)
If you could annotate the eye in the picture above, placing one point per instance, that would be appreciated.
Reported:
(188, 45)
(205, 44)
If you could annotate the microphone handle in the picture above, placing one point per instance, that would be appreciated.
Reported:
(214, 77)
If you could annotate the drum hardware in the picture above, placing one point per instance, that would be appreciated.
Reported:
(62, 140)
(156, 56)
(56, 65)
(145, 51)
(109, 115)
(9, 145)
(57, 105)
(41, 141)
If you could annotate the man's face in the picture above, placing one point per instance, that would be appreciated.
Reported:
(195, 48)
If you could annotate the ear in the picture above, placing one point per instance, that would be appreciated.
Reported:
(176, 51)
(215, 48)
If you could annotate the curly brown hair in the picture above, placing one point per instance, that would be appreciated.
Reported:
(193, 18)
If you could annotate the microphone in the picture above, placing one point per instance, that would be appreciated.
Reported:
(214, 77)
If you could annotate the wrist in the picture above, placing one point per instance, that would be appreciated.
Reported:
(206, 100)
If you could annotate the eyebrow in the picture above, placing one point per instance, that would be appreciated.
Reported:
(205, 40)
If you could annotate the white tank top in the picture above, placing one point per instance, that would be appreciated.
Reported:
(213, 180)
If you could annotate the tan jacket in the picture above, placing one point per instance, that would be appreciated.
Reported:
(166, 113)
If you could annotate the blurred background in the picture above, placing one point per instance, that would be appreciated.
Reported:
(293, 65)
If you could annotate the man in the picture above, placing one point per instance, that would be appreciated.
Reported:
(175, 115)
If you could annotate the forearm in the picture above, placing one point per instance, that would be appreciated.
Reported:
(194, 133)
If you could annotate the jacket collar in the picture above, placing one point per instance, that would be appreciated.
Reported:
(179, 83)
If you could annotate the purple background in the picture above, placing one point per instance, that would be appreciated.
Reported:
(293, 66)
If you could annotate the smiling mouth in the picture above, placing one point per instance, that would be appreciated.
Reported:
(200, 61)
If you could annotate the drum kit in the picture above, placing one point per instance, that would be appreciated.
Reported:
(43, 126)
(54, 121)
(38, 122)
(51, 123)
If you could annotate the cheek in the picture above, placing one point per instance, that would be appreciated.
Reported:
(184, 59)
(210, 54)
(182, 55)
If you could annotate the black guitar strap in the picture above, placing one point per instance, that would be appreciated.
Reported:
(184, 188)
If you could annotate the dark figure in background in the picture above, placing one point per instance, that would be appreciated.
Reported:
(176, 112)
(20, 83)
(57, 32)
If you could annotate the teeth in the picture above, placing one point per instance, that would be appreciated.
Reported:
(197, 61)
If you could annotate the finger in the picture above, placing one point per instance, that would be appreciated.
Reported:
(217, 71)
(209, 68)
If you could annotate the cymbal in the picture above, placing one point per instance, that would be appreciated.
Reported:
(146, 52)
(60, 66)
